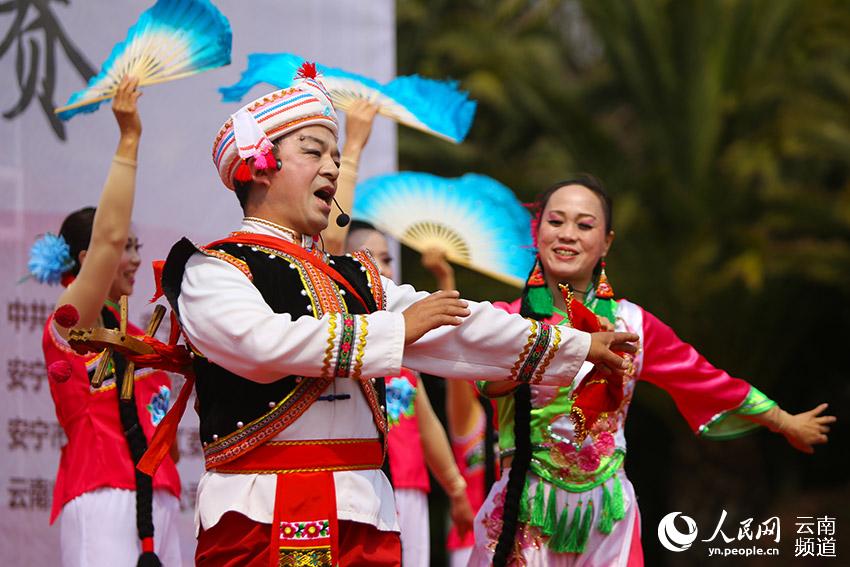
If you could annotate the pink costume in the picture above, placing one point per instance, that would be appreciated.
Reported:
(578, 507)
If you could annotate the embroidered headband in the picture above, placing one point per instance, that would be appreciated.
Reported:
(250, 132)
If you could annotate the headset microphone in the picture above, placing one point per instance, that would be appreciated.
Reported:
(343, 219)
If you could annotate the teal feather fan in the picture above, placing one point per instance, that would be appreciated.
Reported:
(436, 107)
(478, 222)
(171, 40)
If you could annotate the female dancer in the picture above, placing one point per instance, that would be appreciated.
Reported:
(564, 498)
(107, 509)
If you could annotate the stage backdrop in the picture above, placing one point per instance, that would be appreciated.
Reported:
(49, 168)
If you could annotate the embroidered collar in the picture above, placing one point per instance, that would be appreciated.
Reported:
(278, 230)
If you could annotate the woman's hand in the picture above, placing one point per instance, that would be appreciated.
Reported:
(358, 126)
(434, 260)
(460, 511)
(804, 429)
(125, 109)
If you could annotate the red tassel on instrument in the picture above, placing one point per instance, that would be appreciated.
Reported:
(158, 266)
(66, 316)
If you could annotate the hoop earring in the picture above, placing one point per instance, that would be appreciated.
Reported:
(603, 288)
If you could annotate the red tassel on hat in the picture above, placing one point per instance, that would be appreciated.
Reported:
(243, 173)
(307, 71)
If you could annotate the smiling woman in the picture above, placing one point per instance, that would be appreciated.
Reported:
(108, 511)
(564, 498)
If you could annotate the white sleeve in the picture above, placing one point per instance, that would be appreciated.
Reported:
(226, 319)
(491, 344)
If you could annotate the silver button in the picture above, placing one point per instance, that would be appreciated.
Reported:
(342, 292)
(239, 245)
(253, 248)
(239, 424)
(304, 292)
(271, 256)
(382, 408)
(362, 268)
(292, 266)
(372, 379)
(272, 404)
(309, 308)
(331, 262)
(215, 437)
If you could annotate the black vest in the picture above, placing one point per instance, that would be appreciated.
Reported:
(224, 398)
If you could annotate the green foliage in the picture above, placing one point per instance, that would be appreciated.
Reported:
(722, 129)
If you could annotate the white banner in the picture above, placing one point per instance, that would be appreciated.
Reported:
(48, 169)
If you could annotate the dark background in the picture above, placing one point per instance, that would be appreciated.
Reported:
(722, 129)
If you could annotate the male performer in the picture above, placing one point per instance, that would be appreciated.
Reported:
(288, 342)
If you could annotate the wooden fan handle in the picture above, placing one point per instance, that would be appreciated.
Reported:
(128, 384)
(102, 366)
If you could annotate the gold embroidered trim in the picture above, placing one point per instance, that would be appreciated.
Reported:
(556, 344)
(329, 351)
(532, 336)
(361, 345)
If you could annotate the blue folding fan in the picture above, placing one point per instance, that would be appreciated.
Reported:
(171, 40)
(476, 220)
(435, 107)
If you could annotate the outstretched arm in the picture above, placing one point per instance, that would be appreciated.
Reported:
(716, 404)
(358, 127)
(112, 219)
(441, 462)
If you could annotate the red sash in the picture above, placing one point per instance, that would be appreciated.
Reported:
(305, 529)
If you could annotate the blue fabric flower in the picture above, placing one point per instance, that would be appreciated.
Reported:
(50, 257)
(400, 397)
(158, 406)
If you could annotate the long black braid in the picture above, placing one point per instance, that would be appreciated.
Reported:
(138, 444)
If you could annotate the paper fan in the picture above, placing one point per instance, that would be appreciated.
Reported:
(435, 107)
(171, 40)
(475, 219)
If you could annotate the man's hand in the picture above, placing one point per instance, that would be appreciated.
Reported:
(436, 310)
(601, 355)
(125, 110)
